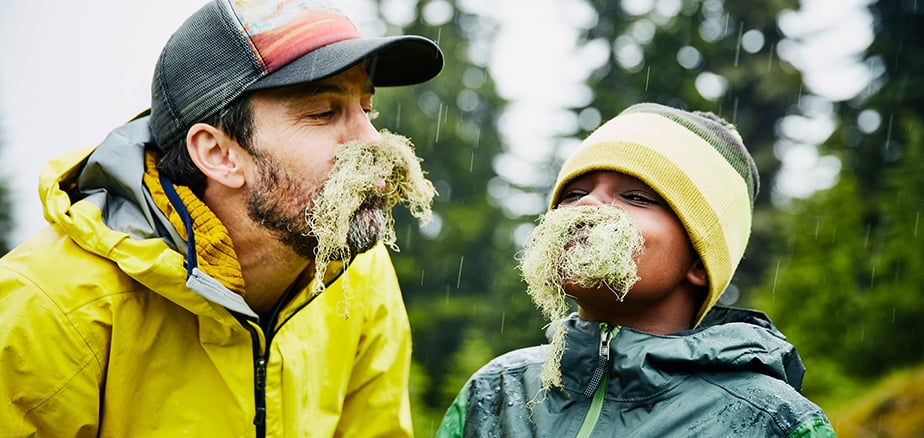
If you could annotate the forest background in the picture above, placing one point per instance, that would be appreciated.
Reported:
(838, 242)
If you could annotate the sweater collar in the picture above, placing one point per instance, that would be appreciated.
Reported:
(209, 247)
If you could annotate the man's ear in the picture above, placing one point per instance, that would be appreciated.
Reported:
(216, 155)
(697, 273)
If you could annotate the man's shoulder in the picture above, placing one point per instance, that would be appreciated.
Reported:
(50, 266)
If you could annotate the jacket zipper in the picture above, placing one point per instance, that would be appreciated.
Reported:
(598, 380)
(261, 357)
(259, 379)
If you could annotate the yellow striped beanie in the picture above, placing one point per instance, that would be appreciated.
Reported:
(697, 162)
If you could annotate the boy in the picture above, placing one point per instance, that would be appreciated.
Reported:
(647, 223)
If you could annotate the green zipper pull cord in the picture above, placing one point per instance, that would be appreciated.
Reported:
(597, 386)
(603, 359)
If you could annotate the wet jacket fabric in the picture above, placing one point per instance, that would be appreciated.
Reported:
(124, 318)
(735, 376)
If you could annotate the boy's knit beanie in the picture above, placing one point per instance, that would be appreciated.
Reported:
(697, 162)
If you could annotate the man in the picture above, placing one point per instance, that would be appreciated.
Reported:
(217, 268)
(647, 223)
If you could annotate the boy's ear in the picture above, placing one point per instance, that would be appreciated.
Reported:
(696, 275)
(216, 155)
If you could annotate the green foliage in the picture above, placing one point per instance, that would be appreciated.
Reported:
(892, 407)
(847, 285)
(837, 272)
(458, 275)
(6, 217)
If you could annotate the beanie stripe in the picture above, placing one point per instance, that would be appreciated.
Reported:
(708, 195)
(722, 139)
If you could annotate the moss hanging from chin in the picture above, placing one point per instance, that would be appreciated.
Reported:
(588, 246)
(354, 186)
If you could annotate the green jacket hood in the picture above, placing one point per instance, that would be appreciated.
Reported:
(729, 340)
(735, 375)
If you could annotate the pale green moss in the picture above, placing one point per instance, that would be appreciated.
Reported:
(355, 181)
(590, 246)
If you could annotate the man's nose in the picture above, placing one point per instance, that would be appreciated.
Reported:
(360, 128)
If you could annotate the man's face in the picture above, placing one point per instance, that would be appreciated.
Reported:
(296, 131)
(324, 180)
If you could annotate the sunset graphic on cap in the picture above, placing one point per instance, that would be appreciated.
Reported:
(280, 34)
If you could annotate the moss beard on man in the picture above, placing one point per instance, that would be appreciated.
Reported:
(584, 246)
(352, 211)
(275, 189)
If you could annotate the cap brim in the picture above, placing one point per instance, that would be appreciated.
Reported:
(399, 60)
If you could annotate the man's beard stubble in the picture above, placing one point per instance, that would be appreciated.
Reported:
(351, 213)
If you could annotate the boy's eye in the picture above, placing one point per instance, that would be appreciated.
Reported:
(640, 198)
(571, 196)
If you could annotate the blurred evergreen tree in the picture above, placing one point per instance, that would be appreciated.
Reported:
(458, 274)
(6, 212)
(848, 284)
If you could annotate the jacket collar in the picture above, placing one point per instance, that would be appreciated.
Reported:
(643, 365)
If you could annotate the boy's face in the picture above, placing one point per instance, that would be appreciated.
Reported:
(667, 263)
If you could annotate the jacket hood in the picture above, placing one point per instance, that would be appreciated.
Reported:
(727, 341)
(100, 197)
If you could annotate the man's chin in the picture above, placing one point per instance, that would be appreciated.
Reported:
(366, 229)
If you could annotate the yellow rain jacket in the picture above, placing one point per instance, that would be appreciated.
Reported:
(109, 328)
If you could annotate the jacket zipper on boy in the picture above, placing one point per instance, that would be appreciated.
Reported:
(598, 380)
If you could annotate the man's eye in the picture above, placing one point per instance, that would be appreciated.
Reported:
(321, 116)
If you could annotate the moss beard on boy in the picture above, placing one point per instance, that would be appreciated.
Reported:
(585, 246)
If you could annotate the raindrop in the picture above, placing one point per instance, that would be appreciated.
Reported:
(917, 219)
(770, 58)
(503, 321)
(738, 47)
(872, 278)
(888, 135)
(459, 277)
(471, 163)
(776, 276)
(439, 123)
(421, 277)
(647, 77)
(734, 119)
